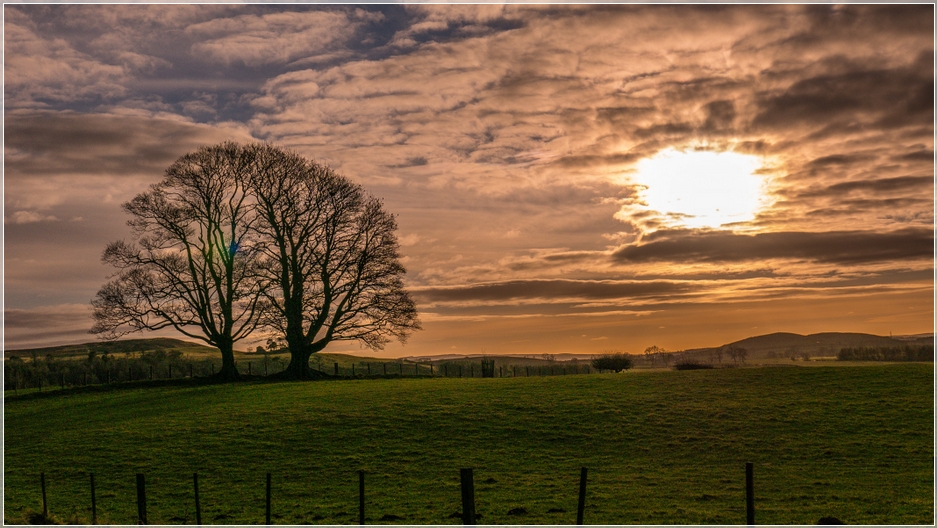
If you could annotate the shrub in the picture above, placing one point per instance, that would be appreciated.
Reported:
(615, 362)
(691, 365)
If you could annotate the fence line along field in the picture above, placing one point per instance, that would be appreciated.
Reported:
(855, 443)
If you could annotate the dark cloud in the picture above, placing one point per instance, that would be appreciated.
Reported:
(553, 290)
(837, 247)
(893, 97)
(54, 143)
(719, 115)
(884, 185)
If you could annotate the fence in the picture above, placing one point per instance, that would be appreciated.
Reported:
(39, 374)
(467, 488)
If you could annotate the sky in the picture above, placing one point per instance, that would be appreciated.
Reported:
(566, 178)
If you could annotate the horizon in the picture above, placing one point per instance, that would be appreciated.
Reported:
(566, 179)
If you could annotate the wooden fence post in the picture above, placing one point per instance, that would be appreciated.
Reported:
(468, 497)
(352, 369)
(385, 367)
(582, 496)
(430, 369)
(198, 504)
(528, 370)
(42, 483)
(268, 499)
(336, 373)
(460, 371)
(191, 371)
(360, 496)
(94, 503)
(141, 498)
(750, 493)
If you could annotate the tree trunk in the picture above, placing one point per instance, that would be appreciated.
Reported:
(228, 370)
(299, 365)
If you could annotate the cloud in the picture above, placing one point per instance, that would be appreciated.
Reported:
(257, 40)
(28, 217)
(40, 71)
(551, 290)
(839, 247)
(62, 323)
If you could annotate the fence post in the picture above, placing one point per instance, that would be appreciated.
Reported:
(141, 498)
(385, 367)
(460, 371)
(445, 369)
(528, 370)
(352, 369)
(582, 496)
(198, 505)
(430, 369)
(472, 370)
(268, 499)
(369, 368)
(468, 497)
(360, 496)
(42, 483)
(750, 493)
(191, 371)
(94, 503)
(336, 373)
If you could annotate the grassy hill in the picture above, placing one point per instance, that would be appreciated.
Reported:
(115, 347)
(661, 448)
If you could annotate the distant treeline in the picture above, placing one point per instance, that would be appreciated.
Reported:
(897, 353)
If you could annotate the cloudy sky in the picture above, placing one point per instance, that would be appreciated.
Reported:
(566, 178)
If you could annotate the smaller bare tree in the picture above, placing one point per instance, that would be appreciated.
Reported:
(191, 265)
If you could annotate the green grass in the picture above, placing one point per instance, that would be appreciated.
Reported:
(661, 447)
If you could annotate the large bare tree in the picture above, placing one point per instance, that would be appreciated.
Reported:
(333, 254)
(192, 263)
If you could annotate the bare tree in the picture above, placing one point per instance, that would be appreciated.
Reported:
(192, 263)
(332, 252)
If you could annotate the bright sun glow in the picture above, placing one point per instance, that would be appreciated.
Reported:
(702, 188)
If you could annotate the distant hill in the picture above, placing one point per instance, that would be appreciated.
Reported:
(115, 347)
(779, 344)
(784, 344)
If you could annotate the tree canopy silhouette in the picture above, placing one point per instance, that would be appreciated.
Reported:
(192, 262)
(332, 253)
(237, 238)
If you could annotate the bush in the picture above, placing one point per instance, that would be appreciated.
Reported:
(691, 365)
(615, 362)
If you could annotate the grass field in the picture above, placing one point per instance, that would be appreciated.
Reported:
(661, 447)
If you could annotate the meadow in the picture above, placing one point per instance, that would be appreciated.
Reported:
(662, 447)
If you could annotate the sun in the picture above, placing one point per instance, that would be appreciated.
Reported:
(701, 188)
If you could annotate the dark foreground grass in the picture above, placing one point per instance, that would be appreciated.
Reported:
(665, 447)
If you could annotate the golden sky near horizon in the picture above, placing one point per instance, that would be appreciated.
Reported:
(565, 178)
